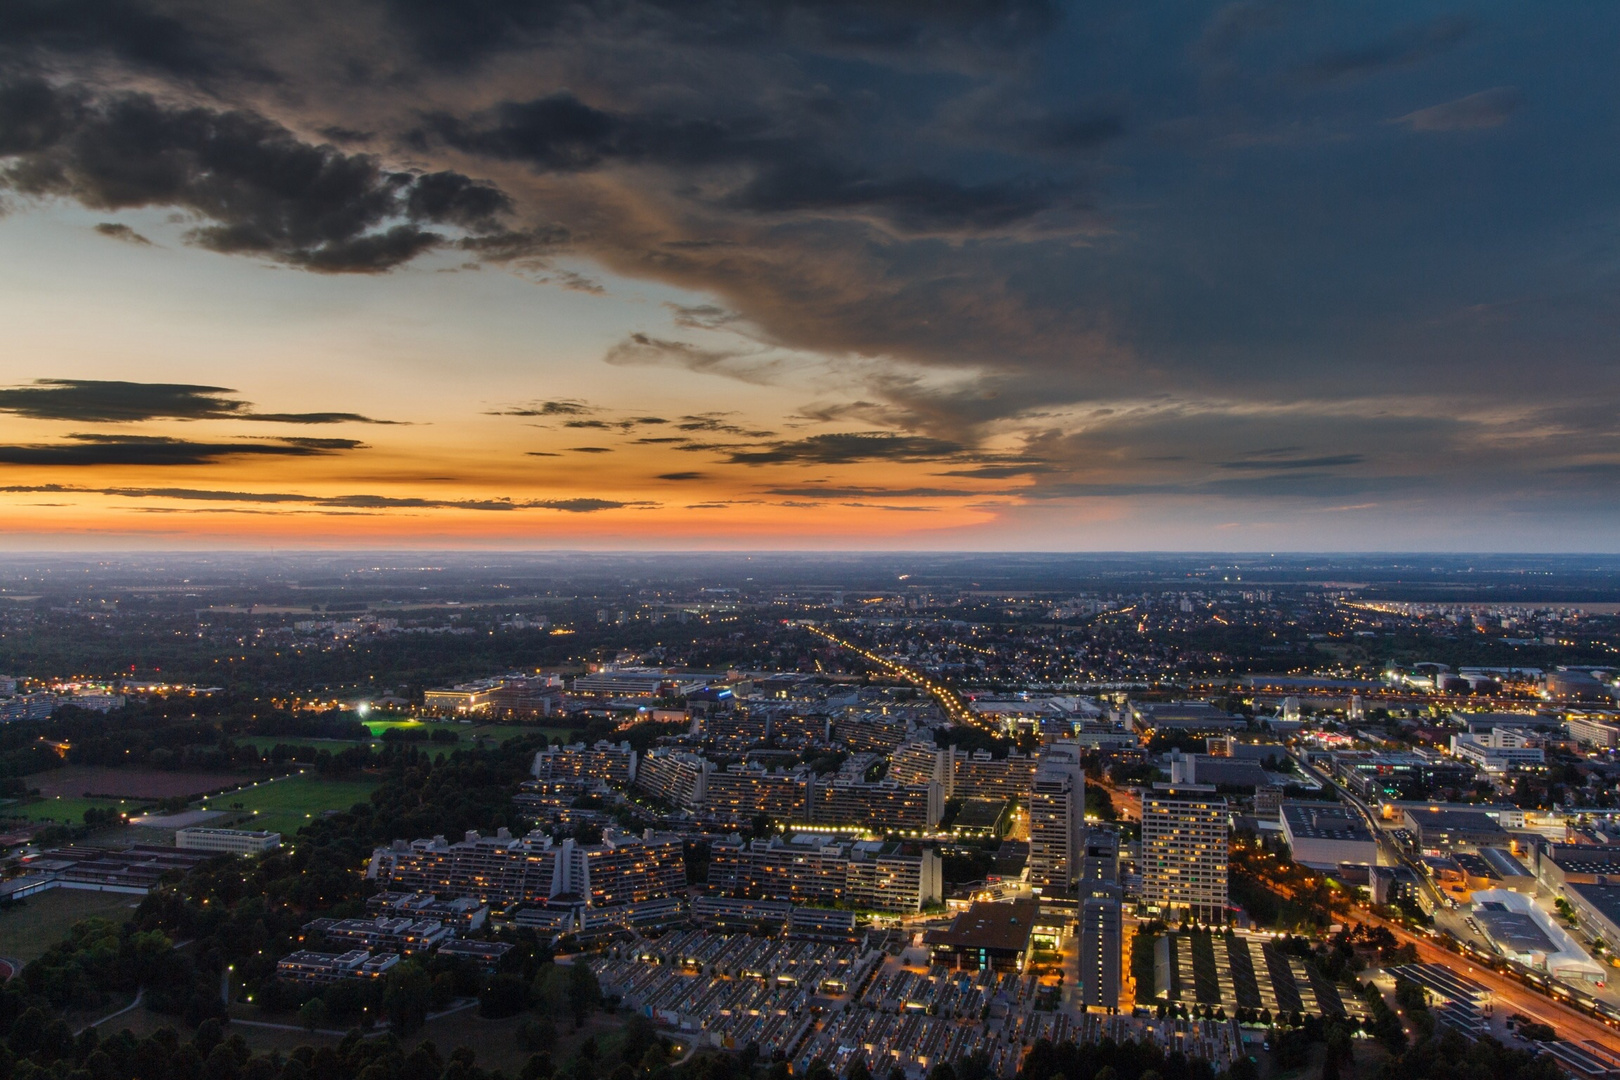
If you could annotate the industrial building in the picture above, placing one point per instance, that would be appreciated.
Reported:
(1325, 836)
(1437, 829)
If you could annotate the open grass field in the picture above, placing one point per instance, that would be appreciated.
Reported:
(83, 780)
(67, 809)
(39, 922)
(287, 804)
(265, 743)
(468, 732)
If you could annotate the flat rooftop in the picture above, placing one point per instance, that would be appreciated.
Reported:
(1454, 820)
(992, 927)
(1514, 931)
(1605, 898)
(1324, 821)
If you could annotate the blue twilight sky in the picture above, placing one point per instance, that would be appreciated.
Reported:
(885, 273)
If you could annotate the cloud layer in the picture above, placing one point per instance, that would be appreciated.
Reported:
(1253, 253)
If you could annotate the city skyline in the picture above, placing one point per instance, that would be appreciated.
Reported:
(977, 276)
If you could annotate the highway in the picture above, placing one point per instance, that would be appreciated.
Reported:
(955, 708)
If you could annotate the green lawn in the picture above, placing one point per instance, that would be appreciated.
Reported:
(468, 732)
(265, 743)
(68, 810)
(288, 804)
(37, 923)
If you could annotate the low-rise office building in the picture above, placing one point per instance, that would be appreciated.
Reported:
(986, 935)
(410, 937)
(1325, 836)
(1436, 829)
(318, 968)
(232, 841)
(1499, 751)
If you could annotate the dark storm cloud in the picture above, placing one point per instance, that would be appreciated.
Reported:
(994, 220)
(1295, 463)
(1405, 46)
(259, 188)
(830, 492)
(117, 231)
(1486, 109)
(718, 424)
(681, 476)
(849, 447)
(744, 365)
(456, 35)
(589, 506)
(789, 175)
(154, 451)
(352, 502)
(111, 401)
(546, 408)
(121, 29)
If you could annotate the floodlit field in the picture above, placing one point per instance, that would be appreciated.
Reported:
(39, 922)
(67, 809)
(288, 804)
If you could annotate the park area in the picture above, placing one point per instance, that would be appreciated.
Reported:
(29, 927)
(79, 781)
(66, 809)
(287, 804)
(500, 733)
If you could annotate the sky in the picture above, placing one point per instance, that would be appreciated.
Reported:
(820, 274)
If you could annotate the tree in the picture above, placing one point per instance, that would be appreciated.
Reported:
(583, 992)
(405, 997)
(504, 995)
(312, 1014)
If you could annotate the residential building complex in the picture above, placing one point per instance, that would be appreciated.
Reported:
(1184, 850)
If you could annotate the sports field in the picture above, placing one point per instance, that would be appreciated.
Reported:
(72, 781)
(265, 743)
(468, 732)
(68, 809)
(287, 804)
(37, 923)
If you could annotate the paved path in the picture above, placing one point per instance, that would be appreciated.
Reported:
(131, 1007)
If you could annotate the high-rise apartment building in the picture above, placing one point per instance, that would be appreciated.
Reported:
(678, 777)
(883, 806)
(923, 763)
(611, 763)
(1101, 940)
(811, 868)
(1057, 804)
(1101, 861)
(1184, 850)
(502, 869)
